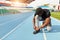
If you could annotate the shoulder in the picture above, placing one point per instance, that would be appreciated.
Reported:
(46, 10)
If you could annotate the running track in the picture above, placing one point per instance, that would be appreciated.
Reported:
(19, 27)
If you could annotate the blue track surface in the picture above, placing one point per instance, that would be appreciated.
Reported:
(19, 27)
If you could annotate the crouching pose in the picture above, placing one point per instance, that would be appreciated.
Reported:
(41, 15)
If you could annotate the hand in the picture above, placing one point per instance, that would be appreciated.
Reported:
(36, 28)
(41, 27)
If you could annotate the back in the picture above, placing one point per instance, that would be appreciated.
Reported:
(45, 13)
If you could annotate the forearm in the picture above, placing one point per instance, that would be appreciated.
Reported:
(46, 22)
(42, 26)
(33, 22)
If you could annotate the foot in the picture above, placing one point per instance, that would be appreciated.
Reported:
(35, 32)
(49, 28)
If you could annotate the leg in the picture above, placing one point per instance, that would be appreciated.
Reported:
(36, 21)
(37, 30)
(49, 26)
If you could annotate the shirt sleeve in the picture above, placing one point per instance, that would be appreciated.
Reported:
(35, 14)
(48, 14)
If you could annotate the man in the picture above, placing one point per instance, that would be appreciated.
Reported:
(41, 15)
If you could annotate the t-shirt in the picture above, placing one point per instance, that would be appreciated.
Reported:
(46, 14)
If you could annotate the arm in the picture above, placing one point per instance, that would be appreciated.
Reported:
(47, 20)
(34, 21)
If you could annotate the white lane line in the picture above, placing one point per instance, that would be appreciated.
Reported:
(9, 21)
(55, 19)
(0, 39)
(14, 29)
(44, 35)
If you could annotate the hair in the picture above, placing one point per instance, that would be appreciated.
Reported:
(39, 11)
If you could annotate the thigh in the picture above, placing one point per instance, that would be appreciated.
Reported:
(49, 23)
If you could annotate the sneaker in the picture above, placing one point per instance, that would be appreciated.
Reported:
(48, 28)
(35, 32)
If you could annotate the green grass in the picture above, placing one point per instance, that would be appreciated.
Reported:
(13, 11)
(4, 11)
(56, 15)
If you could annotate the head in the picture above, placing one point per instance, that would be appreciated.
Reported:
(39, 11)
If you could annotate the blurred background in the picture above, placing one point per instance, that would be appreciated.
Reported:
(18, 6)
(52, 4)
(16, 19)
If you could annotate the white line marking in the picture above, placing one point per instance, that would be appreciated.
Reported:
(0, 39)
(12, 30)
(9, 21)
(44, 35)
(55, 19)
